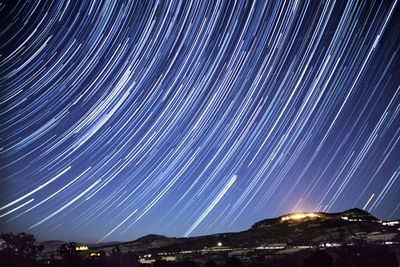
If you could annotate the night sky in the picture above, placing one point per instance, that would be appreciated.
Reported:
(124, 118)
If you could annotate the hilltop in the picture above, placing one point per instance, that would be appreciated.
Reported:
(291, 230)
(290, 238)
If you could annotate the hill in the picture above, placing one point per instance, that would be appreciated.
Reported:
(306, 229)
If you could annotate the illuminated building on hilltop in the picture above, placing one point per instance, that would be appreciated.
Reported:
(300, 216)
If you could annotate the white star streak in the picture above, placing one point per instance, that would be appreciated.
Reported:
(36, 189)
(16, 208)
(109, 233)
(212, 205)
(66, 205)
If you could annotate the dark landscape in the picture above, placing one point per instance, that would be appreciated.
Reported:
(350, 238)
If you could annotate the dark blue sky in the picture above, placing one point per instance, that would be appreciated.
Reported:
(178, 118)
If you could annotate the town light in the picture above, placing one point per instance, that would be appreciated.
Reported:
(298, 216)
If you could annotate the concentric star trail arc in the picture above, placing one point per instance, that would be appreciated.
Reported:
(123, 118)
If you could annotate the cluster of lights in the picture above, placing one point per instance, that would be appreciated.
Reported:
(95, 254)
(298, 216)
(147, 259)
(392, 223)
(351, 220)
(168, 258)
(82, 248)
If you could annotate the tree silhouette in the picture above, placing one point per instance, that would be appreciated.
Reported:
(69, 254)
(19, 250)
(118, 258)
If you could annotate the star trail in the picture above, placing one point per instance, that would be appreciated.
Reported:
(124, 118)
